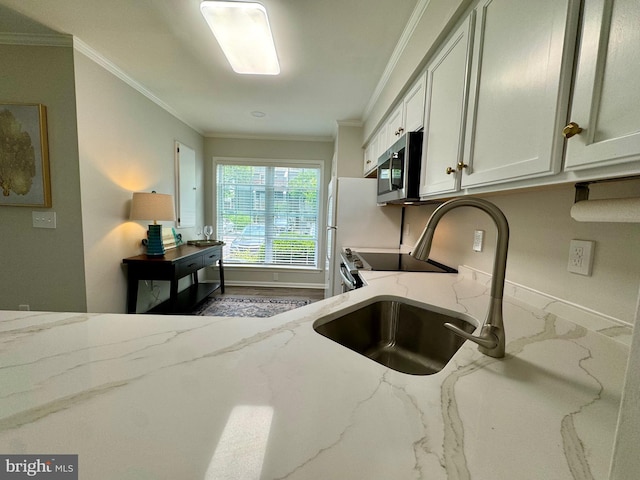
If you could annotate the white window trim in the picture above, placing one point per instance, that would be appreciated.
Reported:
(280, 162)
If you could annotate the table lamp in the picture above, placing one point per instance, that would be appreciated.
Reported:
(153, 206)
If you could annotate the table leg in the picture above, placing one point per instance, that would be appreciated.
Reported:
(173, 295)
(132, 294)
(221, 268)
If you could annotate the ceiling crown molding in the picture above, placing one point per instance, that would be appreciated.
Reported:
(421, 6)
(36, 39)
(275, 138)
(111, 67)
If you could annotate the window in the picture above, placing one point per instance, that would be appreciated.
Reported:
(268, 214)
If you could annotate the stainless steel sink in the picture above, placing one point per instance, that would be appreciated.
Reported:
(404, 337)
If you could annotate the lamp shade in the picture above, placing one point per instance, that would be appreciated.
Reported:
(152, 206)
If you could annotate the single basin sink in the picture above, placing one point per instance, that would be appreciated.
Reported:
(404, 337)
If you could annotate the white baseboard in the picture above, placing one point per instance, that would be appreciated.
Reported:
(235, 283)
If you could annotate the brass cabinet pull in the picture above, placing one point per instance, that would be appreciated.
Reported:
(460, 166)
(571, 129)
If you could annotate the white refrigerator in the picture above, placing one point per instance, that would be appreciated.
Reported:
(355, 220)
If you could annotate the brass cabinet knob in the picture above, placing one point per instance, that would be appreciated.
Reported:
(571, 129)
(461, 165)
(450, 170)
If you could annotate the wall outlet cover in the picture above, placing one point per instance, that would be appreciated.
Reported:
(581, 257)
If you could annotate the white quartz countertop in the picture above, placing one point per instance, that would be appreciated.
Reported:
(178, 397)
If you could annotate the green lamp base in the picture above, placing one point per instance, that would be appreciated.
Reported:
(155, 247)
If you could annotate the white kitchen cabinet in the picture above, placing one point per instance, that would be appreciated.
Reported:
(445, 113)
(393, 127)
(371, 154)
(606, 98)
(518, 98)
(413, 106)
(407, 116)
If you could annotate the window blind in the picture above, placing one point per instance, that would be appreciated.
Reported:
(268, 214)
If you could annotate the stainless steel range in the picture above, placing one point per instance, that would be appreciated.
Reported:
(352, 262)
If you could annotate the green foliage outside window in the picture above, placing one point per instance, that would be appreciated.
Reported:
(269, 214)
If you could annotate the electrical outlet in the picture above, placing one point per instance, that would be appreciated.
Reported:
(24, 307)
(581, 256)
(478, 238)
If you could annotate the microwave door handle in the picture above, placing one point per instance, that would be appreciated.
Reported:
(391, 172)
(394, 160)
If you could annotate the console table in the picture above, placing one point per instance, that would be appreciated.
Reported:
(175, 264)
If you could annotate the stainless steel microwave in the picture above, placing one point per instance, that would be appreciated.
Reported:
(399, 170)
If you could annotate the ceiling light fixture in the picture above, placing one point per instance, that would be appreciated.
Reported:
(243, 32)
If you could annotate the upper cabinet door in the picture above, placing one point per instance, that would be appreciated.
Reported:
(606, 99)
(394, 126)
(445, 113)
(523, 51)
(371, 155)
(414, 106)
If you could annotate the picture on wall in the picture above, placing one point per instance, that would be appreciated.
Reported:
(24, 155)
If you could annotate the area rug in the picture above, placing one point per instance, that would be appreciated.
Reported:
(248, 306)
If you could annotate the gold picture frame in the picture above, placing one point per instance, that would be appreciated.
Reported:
(24, 155)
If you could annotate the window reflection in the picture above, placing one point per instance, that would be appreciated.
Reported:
(243, 444)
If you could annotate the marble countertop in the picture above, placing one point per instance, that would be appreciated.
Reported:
(177, 397)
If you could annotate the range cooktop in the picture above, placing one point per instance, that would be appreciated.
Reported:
(396, 262)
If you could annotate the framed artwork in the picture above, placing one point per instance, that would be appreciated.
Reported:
(24, 155)
(170, 238)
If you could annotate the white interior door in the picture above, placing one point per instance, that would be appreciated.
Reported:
(185, 186)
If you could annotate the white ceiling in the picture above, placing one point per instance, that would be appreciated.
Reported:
(332, 55)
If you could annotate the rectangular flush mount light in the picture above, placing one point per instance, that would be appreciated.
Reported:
(243, 32)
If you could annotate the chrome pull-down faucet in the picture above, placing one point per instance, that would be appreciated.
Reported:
(491, 340)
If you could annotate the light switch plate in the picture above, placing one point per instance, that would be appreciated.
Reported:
(581, 256)
(44, 219)
(478, 238)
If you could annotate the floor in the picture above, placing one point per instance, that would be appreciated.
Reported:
(313, 294)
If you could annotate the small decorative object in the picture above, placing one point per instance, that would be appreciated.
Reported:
(170, 239)
(153, 206)
(24, 156)
(208, 231)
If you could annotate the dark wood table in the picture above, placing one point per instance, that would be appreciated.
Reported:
(175, 264)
